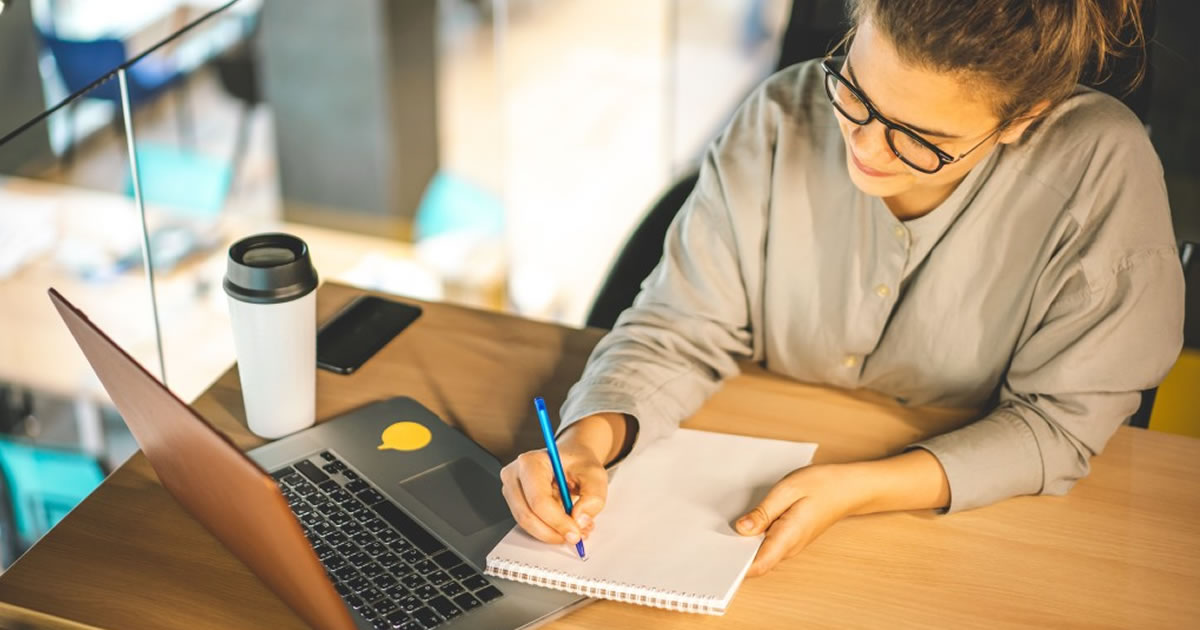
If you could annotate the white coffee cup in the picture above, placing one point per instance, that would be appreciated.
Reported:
(271, 285)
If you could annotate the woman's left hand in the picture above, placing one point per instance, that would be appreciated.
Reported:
(799, 508)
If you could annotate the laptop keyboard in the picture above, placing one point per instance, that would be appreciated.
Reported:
(384, 564)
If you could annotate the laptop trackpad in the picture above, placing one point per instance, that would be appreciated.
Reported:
(462, 493)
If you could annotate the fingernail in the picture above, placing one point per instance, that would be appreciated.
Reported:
(583, 520)
(745, 524)
(572, 537)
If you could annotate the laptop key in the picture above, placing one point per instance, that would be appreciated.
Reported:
(355, 602)
(444, 607)
(410, 603)
(386, 580)
(324, 551)
(370, 594)
(363, 538)
(452, 588)
(329, 457)
(488, 594)
(307, 490)
(463, 571)
(342, 589)
(375, 548)
(397, 592)
(358, 485)
(337, 494)
(475, 582)
(375, 525)
(372, 570)
(358, 558)
(427, 617)
(438, 578)
(467, 601)
(388, 559)
(447, 559)
(311, 519)
(310, 470)
(345, 573)
(361, 513)
(350, 475)
(329, 486)
(398, 619)
(425, 592)
(323, 529)
(425, 567)
(388, 536)
(399, 545)
(412, 556)
(336, 538)
(338, 518)
(413, 581)
(386, 606)
(370, 497)
(278, 475)
(358, 583)
(335, 562)
(409, 528)
(352, 528)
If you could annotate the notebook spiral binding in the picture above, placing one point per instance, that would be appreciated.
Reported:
(603, 589)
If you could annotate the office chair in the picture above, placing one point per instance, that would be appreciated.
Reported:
(80, 62)
(813, 28)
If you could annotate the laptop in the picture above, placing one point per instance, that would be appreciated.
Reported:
(379, 518)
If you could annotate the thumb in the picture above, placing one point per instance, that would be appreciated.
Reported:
(777, 501)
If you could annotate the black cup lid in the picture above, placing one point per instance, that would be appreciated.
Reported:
(269, 268)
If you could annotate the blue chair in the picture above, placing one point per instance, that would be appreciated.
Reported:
(81, 62)
(39, 486)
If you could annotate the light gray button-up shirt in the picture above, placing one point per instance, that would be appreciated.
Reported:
(1046, 290)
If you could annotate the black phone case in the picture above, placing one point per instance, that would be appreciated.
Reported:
(361, 329)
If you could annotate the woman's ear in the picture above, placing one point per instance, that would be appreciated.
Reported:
(1015, 129)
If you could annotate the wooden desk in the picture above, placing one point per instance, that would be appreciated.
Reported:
(1122, 550)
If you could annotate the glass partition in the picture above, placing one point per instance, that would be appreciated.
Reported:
(62, 226)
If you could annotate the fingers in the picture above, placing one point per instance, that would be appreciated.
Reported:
(786, 537)
(592, 486)
(777, 501)
(514, 495)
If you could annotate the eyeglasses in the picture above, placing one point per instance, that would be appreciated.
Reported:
(912, 149)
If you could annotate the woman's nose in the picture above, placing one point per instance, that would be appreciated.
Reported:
(870, 144)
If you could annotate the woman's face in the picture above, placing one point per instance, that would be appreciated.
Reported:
(941, 108)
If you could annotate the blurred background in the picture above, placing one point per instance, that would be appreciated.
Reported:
(493, 153)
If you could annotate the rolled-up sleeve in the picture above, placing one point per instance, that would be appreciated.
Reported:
(1071, 384)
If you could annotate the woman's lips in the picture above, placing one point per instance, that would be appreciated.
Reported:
(866, 170)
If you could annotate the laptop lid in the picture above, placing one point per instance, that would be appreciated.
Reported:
(223, 489)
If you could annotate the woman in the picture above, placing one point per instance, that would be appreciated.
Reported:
(941, 215)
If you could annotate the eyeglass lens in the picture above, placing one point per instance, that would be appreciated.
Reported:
(906, 146)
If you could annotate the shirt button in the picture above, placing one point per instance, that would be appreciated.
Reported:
(900, 232)
(850, 361)
(882, 290)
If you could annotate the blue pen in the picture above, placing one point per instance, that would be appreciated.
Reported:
(552, 448)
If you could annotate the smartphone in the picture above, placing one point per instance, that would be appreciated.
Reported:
(360, 330)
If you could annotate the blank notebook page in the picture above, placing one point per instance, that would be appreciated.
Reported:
(666, 536)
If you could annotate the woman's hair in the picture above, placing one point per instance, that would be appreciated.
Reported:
(1023, 51)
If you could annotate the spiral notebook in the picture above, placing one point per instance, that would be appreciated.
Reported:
(665, 537)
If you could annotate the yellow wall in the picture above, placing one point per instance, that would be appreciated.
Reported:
(1177, 406)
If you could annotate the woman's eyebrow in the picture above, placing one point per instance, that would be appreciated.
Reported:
(928, 132)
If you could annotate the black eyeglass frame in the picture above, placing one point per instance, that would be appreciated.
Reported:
(873, 114)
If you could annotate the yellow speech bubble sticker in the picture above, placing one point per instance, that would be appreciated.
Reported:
(404, 436)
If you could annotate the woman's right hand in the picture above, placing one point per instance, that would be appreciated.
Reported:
(531, 491)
